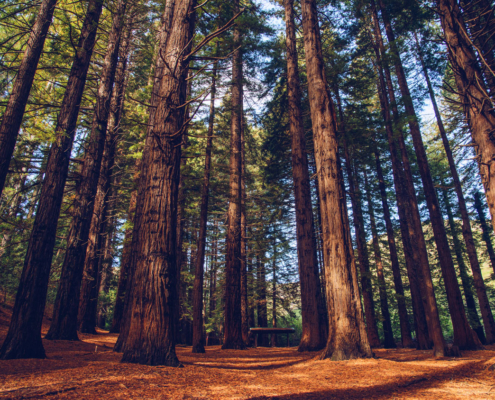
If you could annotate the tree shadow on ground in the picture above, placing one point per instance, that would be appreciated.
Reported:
(402, 387)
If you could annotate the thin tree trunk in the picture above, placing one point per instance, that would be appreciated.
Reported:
(198, 337)
(466, 224)
(472, 312)
(346, 338)
(16, 105)
(232, 313)
(388, 334)
(151, 336)
(262, 303)
(311, 338)
(118, 310)
(273, 341)
(424, 307)
(405, 329)
(486, 235)
(64, 321)
(364, 266)
(464, 336)
(417, 249)
(24, 336)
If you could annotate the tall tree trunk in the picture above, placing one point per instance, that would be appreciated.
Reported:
(464, 336)
(405, 329)
(244, 281)
(251, 289)
(158, 71)
(64, 321)
(125, 260)
(486, 235)
(311, 338)
(346, 338)
(16, 105)
(363, 258)
(424, 307)
(262, 306)
(472, 312)
(151, 336)
(232, 313)
(388, 334)
(273, 339)
(466, 224)
(24, 336)
(88, 298)
(198, 339)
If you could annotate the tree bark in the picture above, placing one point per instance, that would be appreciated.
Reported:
(466, 224)
(346, 337)
(198, 339)
(364, 265)
(464, 336)
(311, 338)
(262, 307)
(232, 313)
(273, 339)
(388, 334)
(405, 328)
(151, 335)
(244, 282)
(24, 336)
(424, 304)
(89, 290)
(472, 312)
(64, 321)
(16, 105)
(486, 235)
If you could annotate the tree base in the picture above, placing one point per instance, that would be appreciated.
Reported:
(57, 335)
(18, 348)
(148, 357)
(345, 354)
(234, 345)
(303, 347)
(198, 348)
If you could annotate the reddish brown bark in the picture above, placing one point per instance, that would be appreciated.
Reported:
(464, 336)
(244, 281)
(198, 339)
(64, 320)
(407, 205)
(405, 329)
(151, 335)
(232, 313)
(386, 323)
(487, 232)
(312, 337)
(24, 336)
(16, 105)
(347, 338)
(467, 233)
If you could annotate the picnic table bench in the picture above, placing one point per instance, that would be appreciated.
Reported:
(276, 331)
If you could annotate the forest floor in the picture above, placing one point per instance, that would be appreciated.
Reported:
(89, 369)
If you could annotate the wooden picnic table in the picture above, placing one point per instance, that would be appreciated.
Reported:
(276, 331)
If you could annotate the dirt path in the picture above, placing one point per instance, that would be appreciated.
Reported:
(91, 370)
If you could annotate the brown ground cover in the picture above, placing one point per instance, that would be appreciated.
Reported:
(89, 369)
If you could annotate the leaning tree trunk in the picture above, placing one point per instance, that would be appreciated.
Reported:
(388, 334)
(423, 306)
(232, 313)
(346, 337)
(486, 231)
(151, 335)
(405, 329)
(467, 233)
(16, 105)
(472, 312)
(89, 289)
(420, 271)
(312, 337)
(198, 336)
(64, 321)
(464, 336)
(24, 336)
